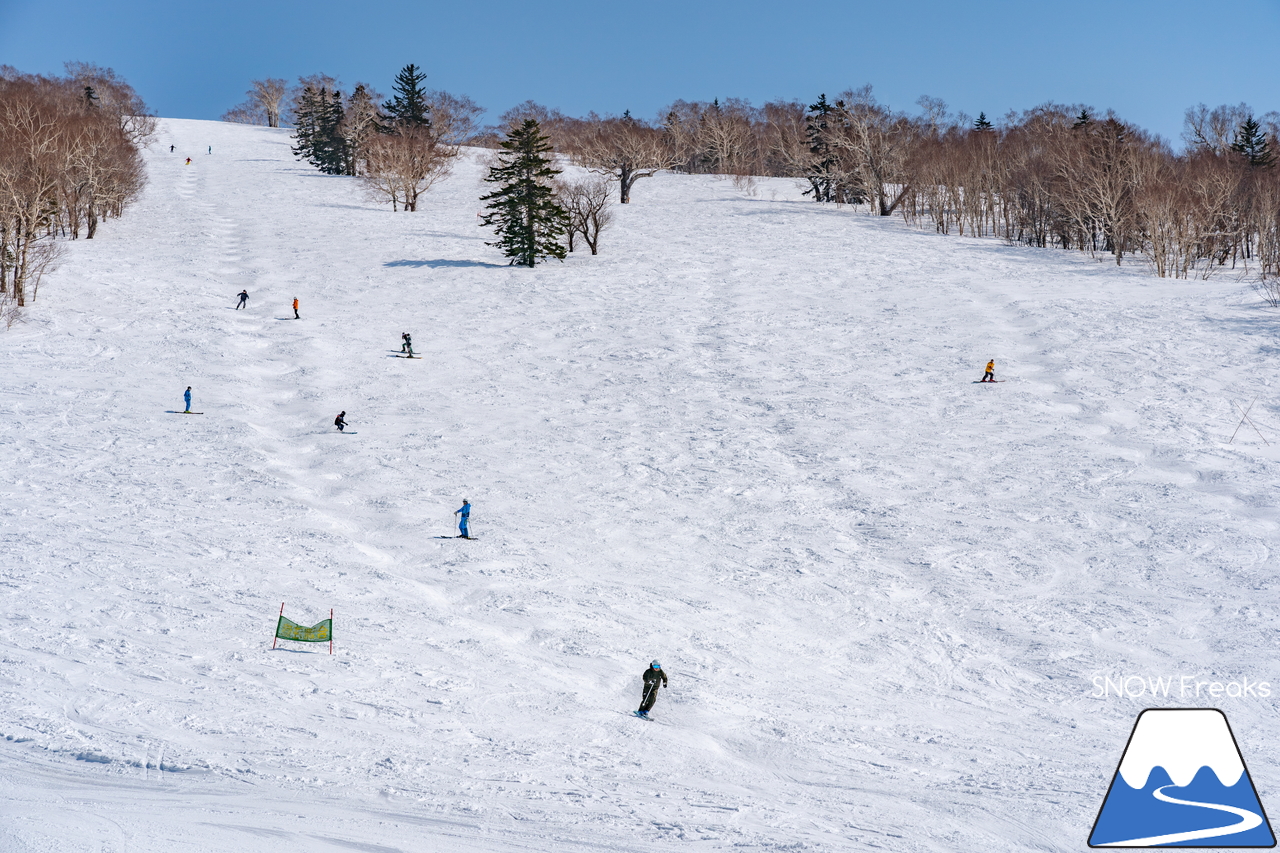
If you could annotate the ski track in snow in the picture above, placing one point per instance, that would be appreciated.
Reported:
(744, 440)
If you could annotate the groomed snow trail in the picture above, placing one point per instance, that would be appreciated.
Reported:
(745, 440)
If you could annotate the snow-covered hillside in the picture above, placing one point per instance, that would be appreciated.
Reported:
(745, 440)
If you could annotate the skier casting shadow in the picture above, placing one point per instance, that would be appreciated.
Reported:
(464, 512)
(340, 421)
(244, 299)
(990, 375)
(653, 678)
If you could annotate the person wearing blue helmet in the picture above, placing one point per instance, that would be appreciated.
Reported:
(653, 678)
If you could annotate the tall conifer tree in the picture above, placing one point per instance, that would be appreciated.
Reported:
(523, 209)
(816, 125)
(407, 106)
(1251, 143)
(318, 131)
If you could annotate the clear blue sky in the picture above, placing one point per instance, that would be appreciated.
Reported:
(1147, 60)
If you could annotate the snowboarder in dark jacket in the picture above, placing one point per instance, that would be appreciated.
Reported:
(340, 421)
(653, 678)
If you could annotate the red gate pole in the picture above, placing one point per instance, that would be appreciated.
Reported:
(277, 632)
(330, 629)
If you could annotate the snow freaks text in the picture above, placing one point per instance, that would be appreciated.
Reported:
(1180, 687)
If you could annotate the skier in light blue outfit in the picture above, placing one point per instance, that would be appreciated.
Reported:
(186, 396)
(465, 512)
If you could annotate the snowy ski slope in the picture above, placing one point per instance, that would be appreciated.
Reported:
(745, 440)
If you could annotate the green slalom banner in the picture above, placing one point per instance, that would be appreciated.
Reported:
(287, 629)
(321, 632)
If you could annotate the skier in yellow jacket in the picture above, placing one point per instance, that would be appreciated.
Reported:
(990, 375)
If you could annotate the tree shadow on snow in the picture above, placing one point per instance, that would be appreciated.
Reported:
(441, 263)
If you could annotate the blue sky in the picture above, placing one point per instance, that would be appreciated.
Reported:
(1147, 60)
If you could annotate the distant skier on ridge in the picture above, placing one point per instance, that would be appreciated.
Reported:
(653, 678)
(464, 512)
(990, 375)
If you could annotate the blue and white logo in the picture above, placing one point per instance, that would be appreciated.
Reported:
(1182, 783)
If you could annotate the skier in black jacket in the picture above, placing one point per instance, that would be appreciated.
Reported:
(652, 676)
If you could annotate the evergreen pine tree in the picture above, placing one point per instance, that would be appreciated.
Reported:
(1251, 143)
(408, 107)
(317, 129)
(982, 123)
(523, 209)
(1083, 120)
(332, 151)
(815, 126)
(304, 124)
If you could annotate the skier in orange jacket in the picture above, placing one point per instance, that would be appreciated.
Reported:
(990, 375)
(295, 309)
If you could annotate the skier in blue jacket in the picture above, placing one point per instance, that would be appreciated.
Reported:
(465, 512)
(186, 396)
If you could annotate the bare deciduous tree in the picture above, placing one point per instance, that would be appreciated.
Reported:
(455, 119)
(359, 125)
(555, 125)
(625, 149)
(1212, 129)
(587, 203)
(401, 166)
(269, 95)
(115, 98)
(68, 157)
(879, 142)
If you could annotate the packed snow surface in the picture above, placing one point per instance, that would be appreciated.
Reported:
(745, 439)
